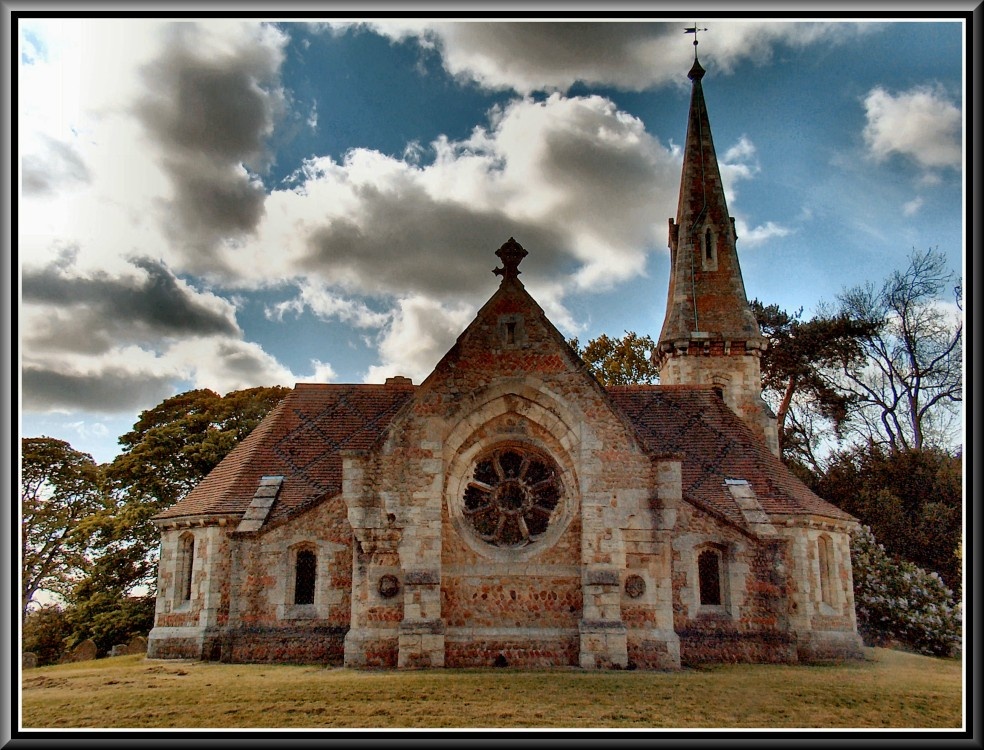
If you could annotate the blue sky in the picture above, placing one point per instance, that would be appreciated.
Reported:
(224, 204)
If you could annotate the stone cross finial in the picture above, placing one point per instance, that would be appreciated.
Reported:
(512, 254)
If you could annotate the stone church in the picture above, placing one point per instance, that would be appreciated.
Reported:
(510, 510)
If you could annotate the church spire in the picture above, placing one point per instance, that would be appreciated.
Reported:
(709, 335)
(706, 294)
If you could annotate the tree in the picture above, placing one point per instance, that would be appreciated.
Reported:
(621, 361)
(171, 448)
(906, 393)
(912, 500)
(60, 492)
(798, 369)
(45, 631)
(103, 605)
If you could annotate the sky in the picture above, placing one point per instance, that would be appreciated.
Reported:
(225, 203)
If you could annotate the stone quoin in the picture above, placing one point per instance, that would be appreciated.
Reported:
(510, 510)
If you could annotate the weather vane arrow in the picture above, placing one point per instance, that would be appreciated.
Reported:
(693, 30)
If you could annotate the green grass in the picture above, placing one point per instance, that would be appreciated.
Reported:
(890, 689)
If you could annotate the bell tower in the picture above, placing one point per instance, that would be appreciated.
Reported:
(710, 335)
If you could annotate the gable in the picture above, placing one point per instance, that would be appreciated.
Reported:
(509, 337)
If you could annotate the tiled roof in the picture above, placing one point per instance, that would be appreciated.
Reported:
(716, 445)
(299, 440)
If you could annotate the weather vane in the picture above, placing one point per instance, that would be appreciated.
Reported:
(693, 30)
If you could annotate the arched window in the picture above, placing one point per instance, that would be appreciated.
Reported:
(708, 247)
(305, 575)
(709, 576)
(825, 557)
(186, 564)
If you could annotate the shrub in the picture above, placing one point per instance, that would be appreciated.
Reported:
(45, 632)
(898, 601)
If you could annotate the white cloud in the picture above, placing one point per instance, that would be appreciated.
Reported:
(422, 332)
(743, 150)
(751, 236)
(225, 364)
(923, 124)
(323, 372)
(573, 179)
(327, 305)
(88, 429)
(910, 208)
(401, 248)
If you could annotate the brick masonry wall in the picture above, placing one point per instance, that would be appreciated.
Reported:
(316, 644)
(263, 581)
(526, 391)
(752, 623)
(527, 652)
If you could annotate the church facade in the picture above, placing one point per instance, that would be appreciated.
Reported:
(510, 510)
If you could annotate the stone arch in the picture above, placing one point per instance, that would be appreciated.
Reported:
(554, 434)
(525, 396)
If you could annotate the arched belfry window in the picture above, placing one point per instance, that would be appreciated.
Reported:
(185, 567)
(305, 576)
(709, 577)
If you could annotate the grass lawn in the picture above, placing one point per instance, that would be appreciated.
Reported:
(891, 689)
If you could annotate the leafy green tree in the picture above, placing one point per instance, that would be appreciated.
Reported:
(103, 606)
(621, 361)
(912, 501)
(60, 492)
(171, 448)
(45, 631)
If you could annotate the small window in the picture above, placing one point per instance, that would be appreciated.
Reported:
(186, 564)
(709, 577)
(708, 247)
(511, 331)
(305, 575)
(825, 557)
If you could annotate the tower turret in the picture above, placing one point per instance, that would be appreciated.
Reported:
(710, 335)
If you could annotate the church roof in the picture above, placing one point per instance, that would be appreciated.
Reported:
(716, 445)
(302, 439)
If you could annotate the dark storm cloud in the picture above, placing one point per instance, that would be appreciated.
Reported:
(241, 361)
(558, 47)
(104, 311)
(110, 391)
(210, 116)
(407, 242)
(57, 165)
(629, 55)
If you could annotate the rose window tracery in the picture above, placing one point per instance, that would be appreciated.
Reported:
(511, 496)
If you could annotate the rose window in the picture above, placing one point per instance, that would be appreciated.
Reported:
(511, 496)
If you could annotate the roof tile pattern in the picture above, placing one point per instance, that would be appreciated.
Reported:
(301, 440)
(716, 445)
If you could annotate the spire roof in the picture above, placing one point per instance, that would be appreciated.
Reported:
(706, 292)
